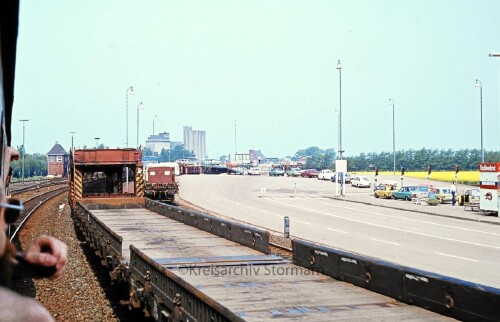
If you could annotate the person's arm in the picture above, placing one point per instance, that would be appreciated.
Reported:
(21, 308)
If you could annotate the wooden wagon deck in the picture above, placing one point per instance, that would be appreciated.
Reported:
(256, 286)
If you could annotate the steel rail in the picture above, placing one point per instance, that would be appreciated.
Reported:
(33, 187)
(53, 193)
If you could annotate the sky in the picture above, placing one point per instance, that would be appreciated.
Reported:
(259, 74)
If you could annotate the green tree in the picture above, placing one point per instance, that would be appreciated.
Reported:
(179, 152)
(34, 164)
(147, 151)
(316, 157)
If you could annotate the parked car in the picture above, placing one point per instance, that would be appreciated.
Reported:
(421, 190)
(255, 171)
(237, 170)
(404, 193)
(309, 173)
(443, 194)
(384, 191)
(276, 172)
(347, 177)
(361, 181)
(295, 172)
(325, 174)
(470, 196)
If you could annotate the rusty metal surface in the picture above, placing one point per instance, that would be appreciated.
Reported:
(108, 157)
(113, 203)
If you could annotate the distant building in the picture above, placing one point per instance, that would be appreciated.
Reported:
(194, 141)
(157, 142)
(57, 161)
(256, 156)
(273, 160)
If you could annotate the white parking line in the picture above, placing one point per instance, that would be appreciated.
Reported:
(403, 218)
(385, 241)
(303, 222)
(338, 231)
(465, 259)
(386, 227)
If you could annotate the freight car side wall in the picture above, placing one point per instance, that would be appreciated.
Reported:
(106, 243)
(444, 295)
(252, 237)
(173, 298)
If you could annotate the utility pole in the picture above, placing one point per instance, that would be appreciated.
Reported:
(24, 150)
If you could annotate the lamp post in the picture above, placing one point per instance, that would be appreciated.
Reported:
(338, 127)
(339, 67)
(235, 146)
(480, 85)
(139, 106)
(494, 54)
(72, 170)
(97, 143)
(130, 91)
(155, 118)
(72, 148)
(24, 149)
(391, 101)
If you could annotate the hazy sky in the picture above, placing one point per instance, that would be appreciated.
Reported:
(267, 66)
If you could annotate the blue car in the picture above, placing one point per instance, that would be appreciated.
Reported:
(276, 172)
(404, 193)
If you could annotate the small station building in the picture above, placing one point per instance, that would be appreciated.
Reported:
(57, 161)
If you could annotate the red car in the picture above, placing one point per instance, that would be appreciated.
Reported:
(309, 173)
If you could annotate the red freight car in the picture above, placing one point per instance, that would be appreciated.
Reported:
(160, 181)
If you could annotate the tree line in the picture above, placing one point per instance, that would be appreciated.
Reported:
(411, 160)
(35, 165)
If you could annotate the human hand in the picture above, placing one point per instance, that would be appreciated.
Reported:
(48, 251)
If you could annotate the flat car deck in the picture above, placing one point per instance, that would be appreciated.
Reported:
(256, 286)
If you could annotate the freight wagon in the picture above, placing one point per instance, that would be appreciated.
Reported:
(160, 181)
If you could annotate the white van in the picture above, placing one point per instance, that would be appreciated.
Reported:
(361, 181)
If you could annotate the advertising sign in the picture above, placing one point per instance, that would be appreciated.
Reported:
(341, 166)
(489, 174)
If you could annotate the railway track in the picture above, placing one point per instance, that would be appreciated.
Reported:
(30, 205)
(18, 187)
(84, 291)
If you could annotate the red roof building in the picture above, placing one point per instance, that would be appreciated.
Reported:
(57, 161)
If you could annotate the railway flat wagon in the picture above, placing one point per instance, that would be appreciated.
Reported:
(189, 266)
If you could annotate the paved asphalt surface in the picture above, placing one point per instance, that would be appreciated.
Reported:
(443, 239)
